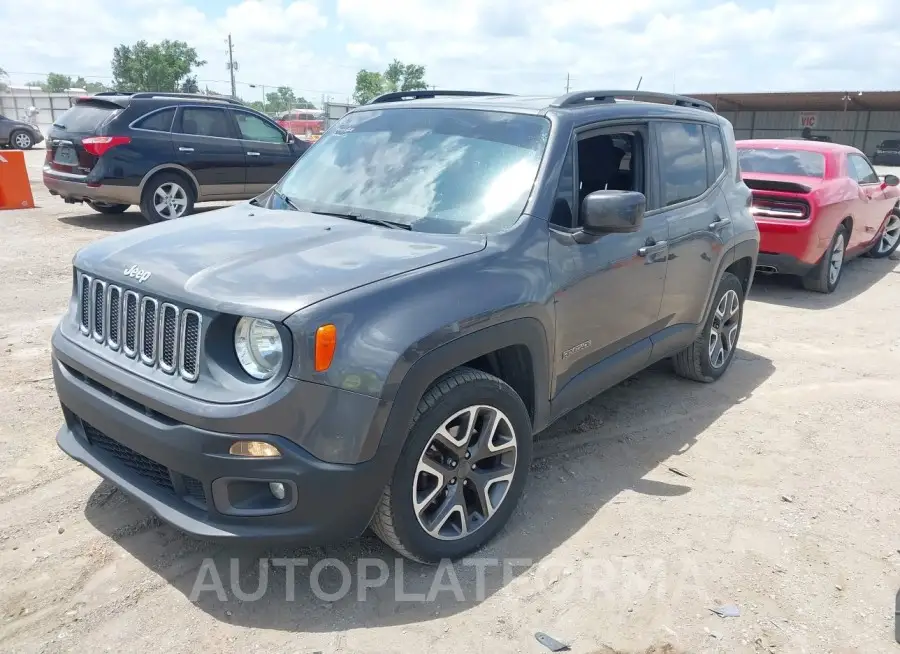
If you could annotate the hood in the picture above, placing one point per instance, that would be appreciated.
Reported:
(783, 183)
(248, 260)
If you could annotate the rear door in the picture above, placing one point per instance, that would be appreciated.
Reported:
(874, 203)
(268, 155)
(206, 142)
(692, 199)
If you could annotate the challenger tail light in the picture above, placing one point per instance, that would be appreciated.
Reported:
(98, 145)
(779, 209)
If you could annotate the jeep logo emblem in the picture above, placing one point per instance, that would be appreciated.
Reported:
(139, 274)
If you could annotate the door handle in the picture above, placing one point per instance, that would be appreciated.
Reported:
(253, 154)
(652, 247)
(719, 223)
(180, 149)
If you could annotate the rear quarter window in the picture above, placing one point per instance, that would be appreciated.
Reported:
(87, 116)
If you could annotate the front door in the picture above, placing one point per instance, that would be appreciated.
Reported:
(206, 143)
(267, 153)
(874, 202)
(691, 158)
(609, 290)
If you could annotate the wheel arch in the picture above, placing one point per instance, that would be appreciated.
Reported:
(173, 168)
(739, 260)
(516, 349)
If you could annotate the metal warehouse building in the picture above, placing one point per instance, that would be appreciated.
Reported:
(860, 119)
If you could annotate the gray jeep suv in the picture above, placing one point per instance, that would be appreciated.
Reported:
(375, 340)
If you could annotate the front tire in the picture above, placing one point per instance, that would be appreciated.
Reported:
(21, 140)
(826, 276)
(710, 355)
(889, 239)
(167, 196)
(461, 471)
(105, 207)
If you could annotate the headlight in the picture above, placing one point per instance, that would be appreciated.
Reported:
(257, 344)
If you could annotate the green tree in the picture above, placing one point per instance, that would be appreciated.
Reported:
(397, 77)
(404, 77)
(57, 83)
(189, 85)
(369, 84)
(163, 66)
(90, 87)
(35, 84)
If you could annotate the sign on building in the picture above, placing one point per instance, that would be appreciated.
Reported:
(808, 119)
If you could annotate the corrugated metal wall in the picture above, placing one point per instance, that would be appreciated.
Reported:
(15, 102)
(861, 129)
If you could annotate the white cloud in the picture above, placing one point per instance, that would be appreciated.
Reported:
(526, 46)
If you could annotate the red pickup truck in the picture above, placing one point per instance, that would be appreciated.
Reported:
(306, 123)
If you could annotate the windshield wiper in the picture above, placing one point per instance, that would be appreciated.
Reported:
(281, 196)
(390, 224)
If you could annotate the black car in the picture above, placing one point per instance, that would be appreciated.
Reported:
(18, 134)
(887, 153)
(376, 339)
(164, 152)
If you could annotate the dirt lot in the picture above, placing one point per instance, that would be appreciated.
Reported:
(787, 510)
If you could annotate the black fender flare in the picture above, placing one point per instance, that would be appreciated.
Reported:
(747, 248)
(414, 373)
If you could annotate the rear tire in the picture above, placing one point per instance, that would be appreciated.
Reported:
(435, 504)
(889, 239)
(710, 355)
(826, 276)
(105, 207)
(21, 140)
(167, 196)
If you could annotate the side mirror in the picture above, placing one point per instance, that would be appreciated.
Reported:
(613, 212)
(288, 137)
(891, 180)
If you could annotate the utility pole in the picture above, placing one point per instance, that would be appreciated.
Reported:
(567, 82)
(231, 67)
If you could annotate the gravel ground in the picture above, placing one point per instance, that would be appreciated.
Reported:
(774, 490)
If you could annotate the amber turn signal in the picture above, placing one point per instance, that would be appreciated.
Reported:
(253, 448)
(326, 343)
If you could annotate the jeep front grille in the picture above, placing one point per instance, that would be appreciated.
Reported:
(159, 334)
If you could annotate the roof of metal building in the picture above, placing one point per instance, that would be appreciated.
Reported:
(806, 101)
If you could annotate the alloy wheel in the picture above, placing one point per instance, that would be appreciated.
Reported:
(22, 141)
(837, 260)
(891, 234)
(724, 331)
(170, 200)
(464, 472)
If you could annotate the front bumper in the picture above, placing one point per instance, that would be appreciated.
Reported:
(185, 475)
(75, 187)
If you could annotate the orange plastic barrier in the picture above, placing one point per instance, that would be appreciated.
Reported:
(15, 189)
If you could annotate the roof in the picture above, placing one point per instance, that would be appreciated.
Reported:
(796, 144)
(804, 101)
(656, 103)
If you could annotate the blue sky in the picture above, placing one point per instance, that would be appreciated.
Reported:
(524, 46)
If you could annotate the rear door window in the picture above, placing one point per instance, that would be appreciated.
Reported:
(161, 121)
(203, 121)
(682, 162)
(87, 117)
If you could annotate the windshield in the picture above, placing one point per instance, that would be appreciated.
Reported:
(437, 170)
(782, 162)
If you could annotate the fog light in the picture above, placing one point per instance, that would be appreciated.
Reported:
(277, 490)
(253, 448)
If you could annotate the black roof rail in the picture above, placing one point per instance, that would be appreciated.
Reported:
(421, 94)
(110, 93)
(189, 96)
(585, 97)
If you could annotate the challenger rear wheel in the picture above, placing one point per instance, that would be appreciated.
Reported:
(824, 278)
